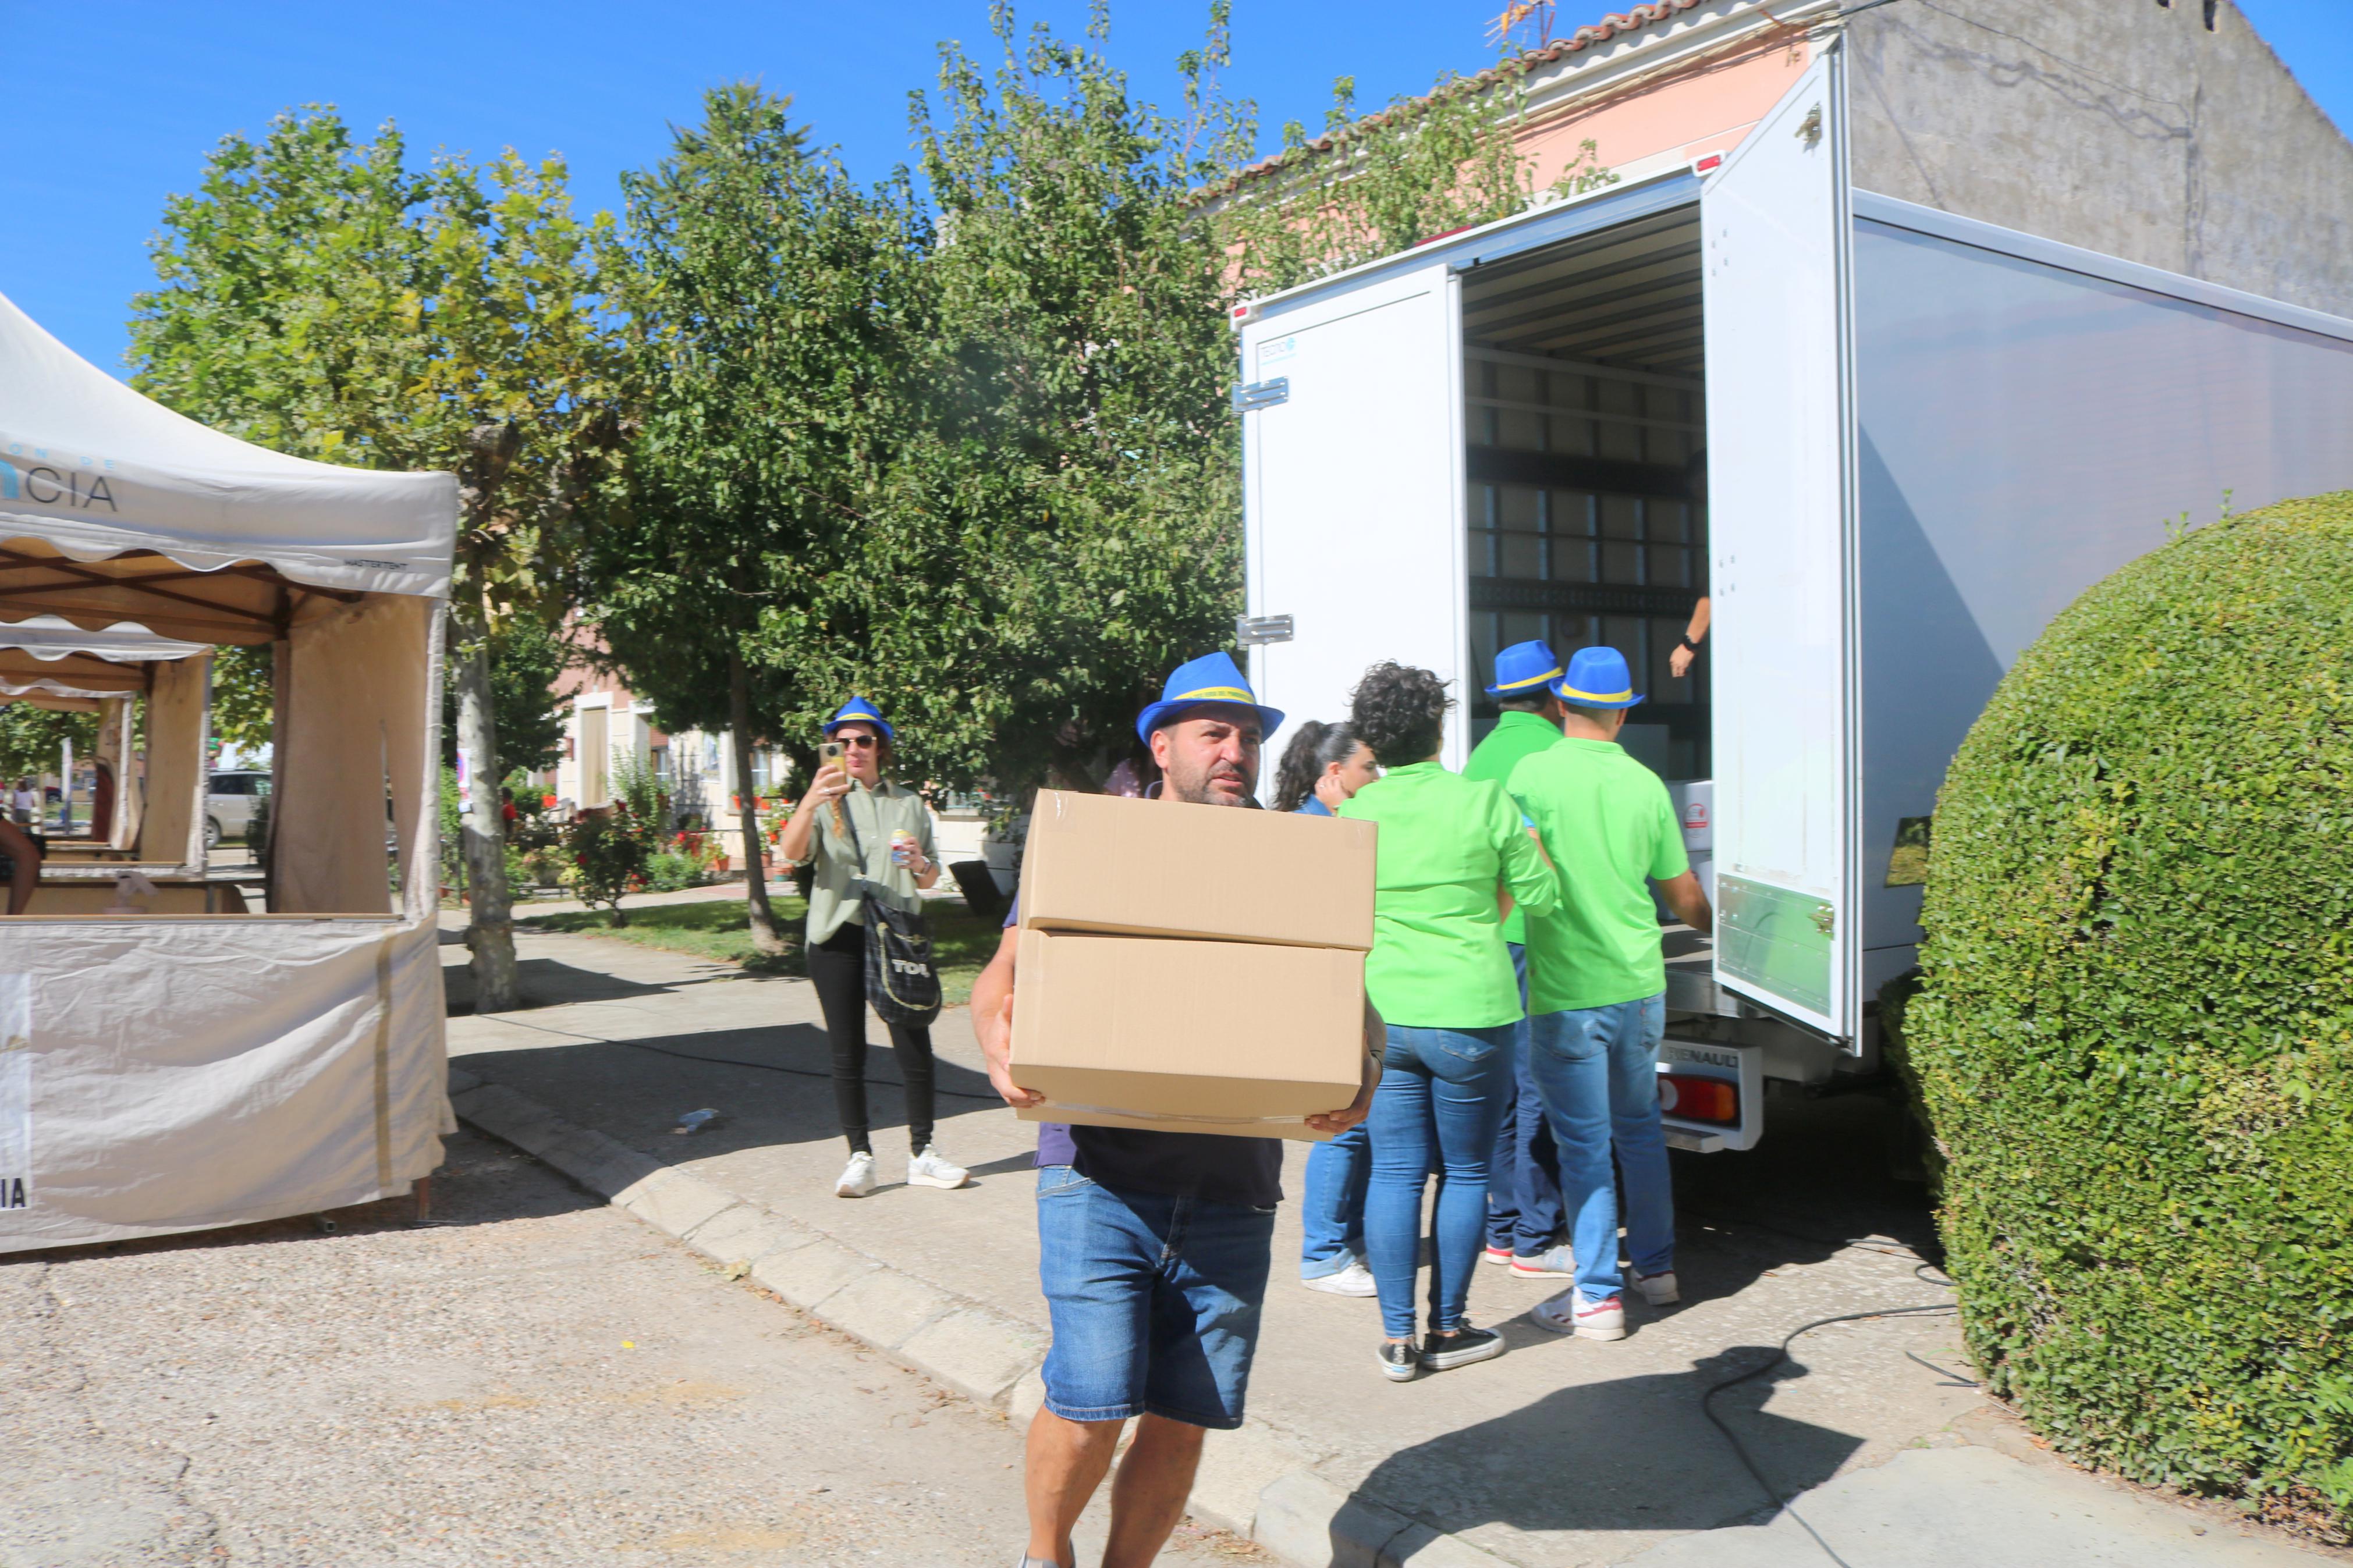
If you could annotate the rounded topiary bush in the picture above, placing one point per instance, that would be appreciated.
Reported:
(2132, 1035)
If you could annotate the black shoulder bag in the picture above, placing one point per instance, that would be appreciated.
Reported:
(901, 979)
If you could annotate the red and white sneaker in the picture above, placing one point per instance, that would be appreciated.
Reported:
(1551, 1263)
(1496, 1255)
(1570, 1313)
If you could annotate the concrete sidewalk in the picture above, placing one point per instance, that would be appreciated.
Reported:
(1560, 1453)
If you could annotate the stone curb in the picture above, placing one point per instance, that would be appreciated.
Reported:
(1255, 1482)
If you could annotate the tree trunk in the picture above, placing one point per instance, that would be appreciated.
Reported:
(765, 936)
(490, 930)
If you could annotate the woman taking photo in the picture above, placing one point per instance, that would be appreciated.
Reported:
(1454, 855)
(1321, 767)
(856, 825)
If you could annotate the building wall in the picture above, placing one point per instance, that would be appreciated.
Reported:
(2122, 126)
(1670, 91)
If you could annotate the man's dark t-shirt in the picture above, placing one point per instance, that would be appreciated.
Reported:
(1208, 1165)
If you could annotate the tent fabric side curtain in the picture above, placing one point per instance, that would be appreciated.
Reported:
(186, 1074)
(115, 740)
(173, 831)
(356, 720)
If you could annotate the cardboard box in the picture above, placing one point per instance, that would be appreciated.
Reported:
(1241, 1039)
(1148, 867)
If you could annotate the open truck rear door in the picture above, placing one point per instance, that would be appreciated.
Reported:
(1354, 419)
(1776, 239)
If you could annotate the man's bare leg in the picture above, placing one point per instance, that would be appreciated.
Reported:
(1064, 1465)
(1147, 1498)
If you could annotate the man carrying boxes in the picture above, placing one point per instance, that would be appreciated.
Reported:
(1192, 990)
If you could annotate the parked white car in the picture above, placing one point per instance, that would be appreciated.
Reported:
(230, 803)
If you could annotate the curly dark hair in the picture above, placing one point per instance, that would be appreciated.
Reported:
(1400, 712)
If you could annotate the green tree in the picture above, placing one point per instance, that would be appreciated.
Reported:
(1371, 185)
(243, 695)
(765, 294)
(318, 296)
(526, 660)
(31, 738)
(1060, 521)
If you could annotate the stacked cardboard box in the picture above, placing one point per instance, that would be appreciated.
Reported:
(1190, 968)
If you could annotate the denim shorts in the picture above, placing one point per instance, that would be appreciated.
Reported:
(1154, 1300)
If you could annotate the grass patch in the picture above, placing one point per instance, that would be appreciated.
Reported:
(714, 929)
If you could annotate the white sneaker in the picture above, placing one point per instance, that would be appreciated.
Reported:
(1354, 1280)
(930, 1168)
(1552, 1260)
(1570, 1313)
(857, 1178)
(1658, 1289)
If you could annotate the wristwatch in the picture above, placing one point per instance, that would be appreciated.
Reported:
(1684, 641)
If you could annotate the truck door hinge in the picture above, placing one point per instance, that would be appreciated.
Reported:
(1252, 630)
(1256, 395)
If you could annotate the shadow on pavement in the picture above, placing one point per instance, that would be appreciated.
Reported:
(1626, 1454)
(771, 1085)
(545, 982)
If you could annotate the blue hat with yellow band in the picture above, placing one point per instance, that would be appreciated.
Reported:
(1524, 669)
(857, 710)
(1597, 678)
(1212, 677)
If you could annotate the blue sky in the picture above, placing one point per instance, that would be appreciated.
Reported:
(112, 105)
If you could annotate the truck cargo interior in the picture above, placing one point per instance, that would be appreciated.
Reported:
(1586, 422)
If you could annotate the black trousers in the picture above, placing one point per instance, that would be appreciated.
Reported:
(836, 967)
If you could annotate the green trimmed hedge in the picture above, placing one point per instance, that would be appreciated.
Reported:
(2132, 1031)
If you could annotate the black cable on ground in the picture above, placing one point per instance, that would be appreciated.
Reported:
(1747, 1461)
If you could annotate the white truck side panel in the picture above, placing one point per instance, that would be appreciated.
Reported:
(1362, 461)
(1774, 232)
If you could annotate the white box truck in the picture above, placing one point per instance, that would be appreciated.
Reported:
(1889, 442)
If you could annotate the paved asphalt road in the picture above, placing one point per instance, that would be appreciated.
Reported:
(541, 1380)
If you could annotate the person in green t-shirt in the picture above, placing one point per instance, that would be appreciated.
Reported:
(1523, 1212)
(1597, 990)
(1452, 858)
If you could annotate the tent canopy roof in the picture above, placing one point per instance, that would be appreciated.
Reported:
(48, 658)
(114, 508)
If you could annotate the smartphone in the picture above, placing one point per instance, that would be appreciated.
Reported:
(828, 753)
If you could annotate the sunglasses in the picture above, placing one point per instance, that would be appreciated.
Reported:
(860, 741)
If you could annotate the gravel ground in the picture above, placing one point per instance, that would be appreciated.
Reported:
(537, 1380)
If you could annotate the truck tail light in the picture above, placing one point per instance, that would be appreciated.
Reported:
(1699, 1099)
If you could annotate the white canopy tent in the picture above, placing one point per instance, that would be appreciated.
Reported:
(170, 1072)
(155, 820)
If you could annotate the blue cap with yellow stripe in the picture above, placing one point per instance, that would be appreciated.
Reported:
(1524, 669)
(1597, 678)
(857, 710)
(1212, 677)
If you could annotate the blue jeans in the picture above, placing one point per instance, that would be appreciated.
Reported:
(1598, 1069)
(1332, 1213)
(1522, 1181)
(1440, 1092)
(1154, 1300)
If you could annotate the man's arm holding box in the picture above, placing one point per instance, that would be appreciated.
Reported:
(992, 1021)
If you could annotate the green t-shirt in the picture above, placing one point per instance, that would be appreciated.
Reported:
(1446, 842)
(1608, 826)
(1515, 736)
